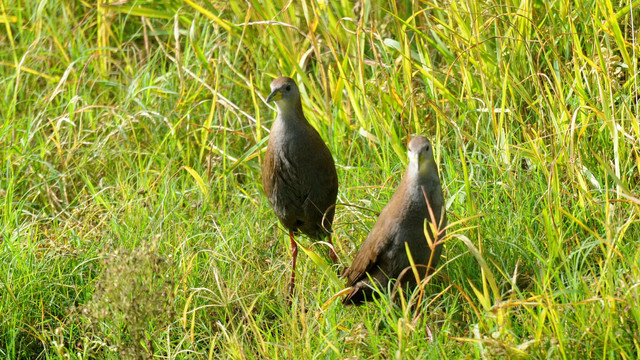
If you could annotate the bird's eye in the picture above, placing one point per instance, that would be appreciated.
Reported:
(288, 87)
(426, 148)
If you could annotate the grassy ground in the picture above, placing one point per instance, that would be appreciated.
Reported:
(133, 223)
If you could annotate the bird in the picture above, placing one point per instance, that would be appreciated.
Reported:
(299, 175)
(383, 256)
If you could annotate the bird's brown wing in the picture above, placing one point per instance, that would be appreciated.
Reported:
(268, 165)
(379, 240)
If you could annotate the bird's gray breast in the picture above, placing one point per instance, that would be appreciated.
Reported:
(289, 180)
(410, 232)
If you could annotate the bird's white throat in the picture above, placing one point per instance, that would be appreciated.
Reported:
(418, 165)
(414, 163)
(286, 108)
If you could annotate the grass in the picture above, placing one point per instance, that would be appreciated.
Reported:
(133, 223)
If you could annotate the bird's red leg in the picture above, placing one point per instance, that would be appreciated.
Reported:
(294, 255)
(332, 252)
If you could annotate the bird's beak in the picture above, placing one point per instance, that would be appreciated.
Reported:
(274, 96)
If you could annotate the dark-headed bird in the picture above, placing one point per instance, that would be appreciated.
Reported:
(298, 173)
(383, 256)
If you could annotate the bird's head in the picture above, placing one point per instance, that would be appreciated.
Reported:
(421, 155)
(284, 92)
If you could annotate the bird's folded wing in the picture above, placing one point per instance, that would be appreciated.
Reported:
(379, 239)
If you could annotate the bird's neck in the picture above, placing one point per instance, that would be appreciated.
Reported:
(417, 178)
(290, 112)
(289, 123)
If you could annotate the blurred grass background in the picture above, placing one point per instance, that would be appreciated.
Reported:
(133, 223)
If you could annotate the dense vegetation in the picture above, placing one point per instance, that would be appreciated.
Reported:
(133, 223)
